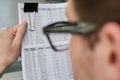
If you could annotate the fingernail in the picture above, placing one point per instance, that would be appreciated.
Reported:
(24, 24)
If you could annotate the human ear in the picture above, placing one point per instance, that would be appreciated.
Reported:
(112, 34)
(107, 53)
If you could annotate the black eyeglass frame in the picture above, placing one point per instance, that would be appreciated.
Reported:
(82, 28)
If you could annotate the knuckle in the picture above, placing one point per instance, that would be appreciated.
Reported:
(12, 31)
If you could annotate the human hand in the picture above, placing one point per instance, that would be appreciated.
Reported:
(10, 45)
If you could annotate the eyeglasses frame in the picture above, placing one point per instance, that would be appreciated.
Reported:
(82, 28)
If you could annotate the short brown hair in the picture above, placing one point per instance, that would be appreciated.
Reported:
(98, 10)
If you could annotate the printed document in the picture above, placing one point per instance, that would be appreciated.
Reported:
(39, 60)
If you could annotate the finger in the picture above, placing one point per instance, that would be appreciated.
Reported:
(13, 30)
(9, 34)
(20, 35)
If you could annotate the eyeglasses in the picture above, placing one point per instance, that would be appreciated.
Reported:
(62, 30)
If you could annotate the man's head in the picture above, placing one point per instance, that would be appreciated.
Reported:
(98, 10)
(103, 61)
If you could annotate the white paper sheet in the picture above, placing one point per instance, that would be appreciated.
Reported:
(39, 60)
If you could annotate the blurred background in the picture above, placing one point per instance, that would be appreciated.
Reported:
(9, 13)
(8, 18)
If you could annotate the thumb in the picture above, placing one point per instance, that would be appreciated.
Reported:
(20, 35)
